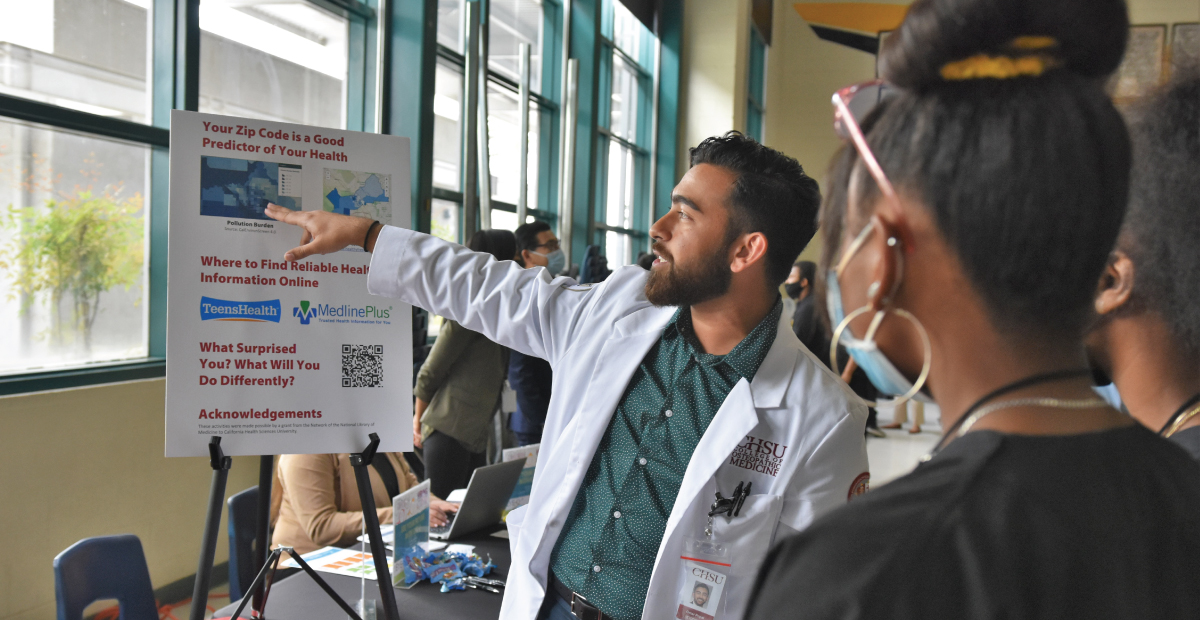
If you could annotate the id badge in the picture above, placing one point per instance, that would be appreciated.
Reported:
(705, 569)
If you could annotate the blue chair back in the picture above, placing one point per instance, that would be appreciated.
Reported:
(105, 567)
(243, 522)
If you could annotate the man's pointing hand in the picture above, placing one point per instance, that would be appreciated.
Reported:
(324, 232)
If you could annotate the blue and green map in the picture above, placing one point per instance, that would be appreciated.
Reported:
(242, 188)
(364, 194)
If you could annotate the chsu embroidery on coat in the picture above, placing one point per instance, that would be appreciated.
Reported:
(758, 455)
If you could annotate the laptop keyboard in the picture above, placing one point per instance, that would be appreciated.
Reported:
(441, 530)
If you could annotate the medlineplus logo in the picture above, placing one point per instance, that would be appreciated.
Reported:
(222, 310)
(306, 311)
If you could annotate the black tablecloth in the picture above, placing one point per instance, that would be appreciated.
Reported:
(298, 597)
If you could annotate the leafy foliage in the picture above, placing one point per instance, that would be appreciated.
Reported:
(78, 245)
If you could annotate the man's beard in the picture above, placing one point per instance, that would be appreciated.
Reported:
(673, 285)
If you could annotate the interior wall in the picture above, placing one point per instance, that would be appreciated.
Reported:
(716, 39)
(89, 462)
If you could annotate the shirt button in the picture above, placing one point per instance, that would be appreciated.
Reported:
(596, 568)
(642, 461)
(616, 514)
(669, 413)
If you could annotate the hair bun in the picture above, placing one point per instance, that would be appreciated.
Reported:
(1089, 36)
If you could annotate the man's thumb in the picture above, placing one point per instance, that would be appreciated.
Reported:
(299, 253)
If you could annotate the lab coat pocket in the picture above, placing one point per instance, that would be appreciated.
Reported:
(748, 536)
(514, 520)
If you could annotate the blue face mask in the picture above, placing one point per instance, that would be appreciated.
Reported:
(555, 261)
(880, 370)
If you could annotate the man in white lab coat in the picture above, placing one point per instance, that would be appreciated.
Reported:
(671, 388)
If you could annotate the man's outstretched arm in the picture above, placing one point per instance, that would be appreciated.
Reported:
(523, 309)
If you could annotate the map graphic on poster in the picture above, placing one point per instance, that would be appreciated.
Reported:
(365, 194)
(242, 188)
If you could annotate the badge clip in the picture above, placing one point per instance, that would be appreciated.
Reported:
(728, 506)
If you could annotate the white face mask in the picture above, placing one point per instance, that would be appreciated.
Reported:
(880, 370)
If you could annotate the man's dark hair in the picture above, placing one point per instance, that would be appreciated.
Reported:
(771, 195)
(527, 235)
(1163, 223)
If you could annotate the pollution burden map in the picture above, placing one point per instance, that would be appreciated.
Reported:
(364, 194)
(242, 188)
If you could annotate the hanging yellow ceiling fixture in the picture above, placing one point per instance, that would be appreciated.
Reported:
(855, 24)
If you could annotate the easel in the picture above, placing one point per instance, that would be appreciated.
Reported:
(208, 545)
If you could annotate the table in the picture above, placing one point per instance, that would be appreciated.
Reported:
(298, 597)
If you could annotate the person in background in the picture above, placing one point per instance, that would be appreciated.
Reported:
(901, 416)
(315, 501)
(531, 377)
(1147, 334)
(805, 323)
(985, 196)
(458, 389)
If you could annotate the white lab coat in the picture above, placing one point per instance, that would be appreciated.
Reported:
(795, 431)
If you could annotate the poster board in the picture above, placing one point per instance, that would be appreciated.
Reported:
(278, 357)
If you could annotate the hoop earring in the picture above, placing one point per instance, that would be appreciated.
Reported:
(870, 337)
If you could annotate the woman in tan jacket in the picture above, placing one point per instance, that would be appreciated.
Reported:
(316, 504)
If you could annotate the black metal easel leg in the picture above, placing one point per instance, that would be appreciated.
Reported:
(208, 546)
(360, 462)
(266, 476)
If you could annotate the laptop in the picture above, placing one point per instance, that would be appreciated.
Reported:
(487, 495)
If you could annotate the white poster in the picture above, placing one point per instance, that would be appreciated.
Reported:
(278, 357)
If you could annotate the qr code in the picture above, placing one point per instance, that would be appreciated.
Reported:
(362, 365)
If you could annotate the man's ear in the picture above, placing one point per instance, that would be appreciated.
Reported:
(1116, 283)
(748, 250)
(525, 256)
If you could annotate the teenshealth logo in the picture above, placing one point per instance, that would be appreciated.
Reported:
(221, 310)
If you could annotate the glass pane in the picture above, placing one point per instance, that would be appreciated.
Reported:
(506, 220)
(89, 55)
(617, 249)
(72, 249)
(449, 24)
(754, 122)
(281, 61)
(504, 146)
(447, 130)
(619, 210)
(623, 120)
(443, 221)
(627, 30)
(510, 23)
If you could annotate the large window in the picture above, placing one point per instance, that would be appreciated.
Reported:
(624, 135)
(73, 206)
(509, 24)
(280, 61)
(87, 55)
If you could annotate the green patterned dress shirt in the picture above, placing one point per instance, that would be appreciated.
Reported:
(607, 548)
